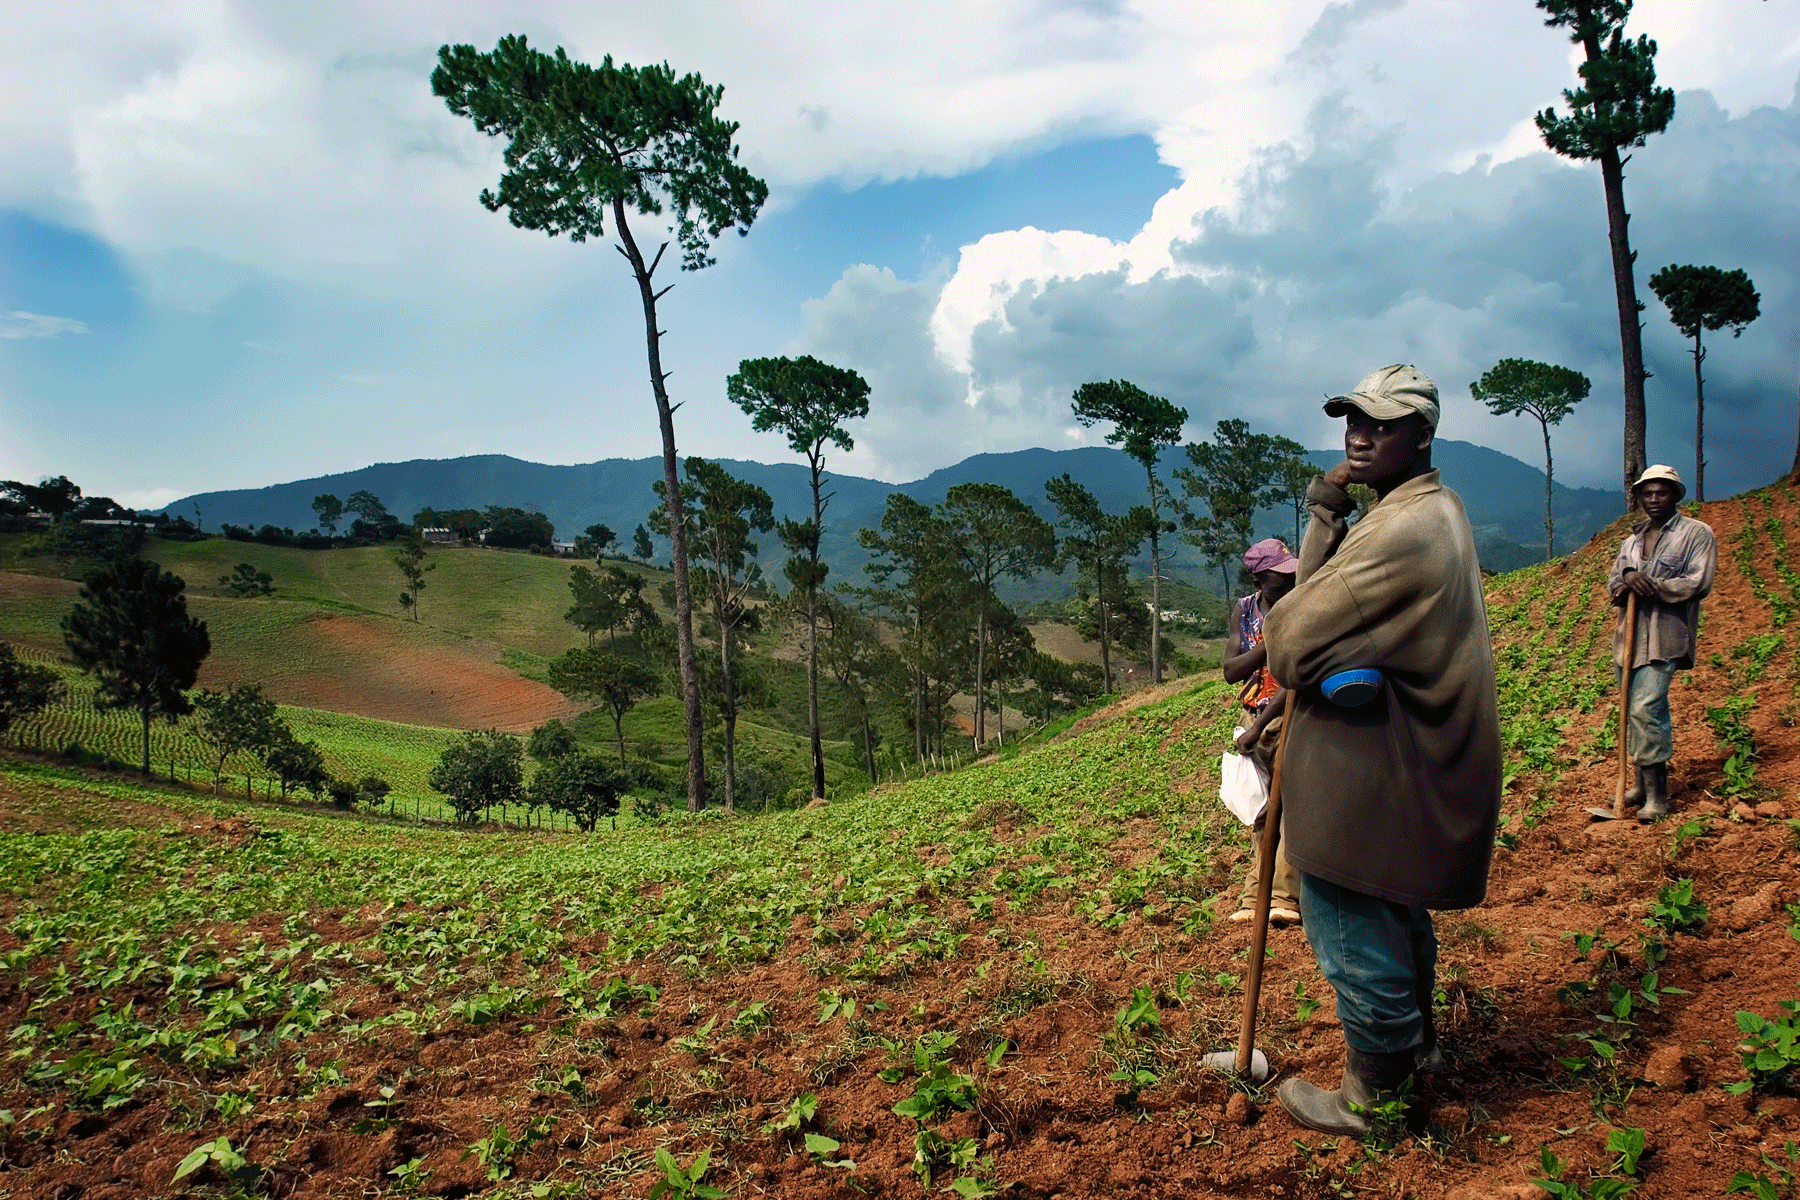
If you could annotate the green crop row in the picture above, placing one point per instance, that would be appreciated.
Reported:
(354, 747)
(138, 967)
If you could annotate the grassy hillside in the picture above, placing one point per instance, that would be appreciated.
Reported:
(351, 1002)
(501, 596)
(333, 638)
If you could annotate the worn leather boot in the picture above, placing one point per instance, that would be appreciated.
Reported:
(1369, 1080)
(1634, 795)
(1656, 793)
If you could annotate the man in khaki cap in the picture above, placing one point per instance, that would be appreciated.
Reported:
(1391, 805)
(1668, 563)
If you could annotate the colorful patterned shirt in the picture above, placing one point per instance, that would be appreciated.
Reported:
(1250, 633)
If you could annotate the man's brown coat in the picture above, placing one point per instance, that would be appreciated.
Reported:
(1398, 798)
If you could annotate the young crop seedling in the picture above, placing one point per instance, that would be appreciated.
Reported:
(1387, 1122)
(1626, 1145)
(500, 1148)
(1676, 910)
(1770, 1050)
(683, 1183)
(754, 1016)
(1598, 1189)
(410, 1176)
(240, 1173)
(232, 1107)
(1686, 832)
(1139, 1016)
(822, 1148)
(933, 1152)
(1778, 1184)
(939, 1090)
(975, 1185)
(833, 1003)
(384, 1105)
(698, 1043)
(798, 1113)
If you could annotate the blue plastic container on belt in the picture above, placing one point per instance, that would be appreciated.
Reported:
(1353, 688)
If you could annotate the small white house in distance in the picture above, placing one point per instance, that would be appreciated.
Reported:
(438, 534)
(561, 548)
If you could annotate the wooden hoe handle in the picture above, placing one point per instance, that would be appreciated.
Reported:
(1265, 884)
(1625, 700)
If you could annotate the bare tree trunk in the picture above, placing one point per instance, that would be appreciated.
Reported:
(919, 684)
(812, 693)
(812, 636)
(1795, 473)
(868, 745)
(1699, 422)
(1549, 518)
(1631, 342)
(1100, 599)
(693, 717)
(980, 674)
(730, 708)
(1155, 581)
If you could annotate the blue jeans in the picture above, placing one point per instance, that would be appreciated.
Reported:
(1381, 959)
(1648, 736)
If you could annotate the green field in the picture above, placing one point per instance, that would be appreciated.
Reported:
(506, 597)
(330, 641)
(353, 746)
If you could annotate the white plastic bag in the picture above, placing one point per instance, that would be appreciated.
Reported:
(1242, 784)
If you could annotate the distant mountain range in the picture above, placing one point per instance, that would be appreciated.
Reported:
(1503, 495)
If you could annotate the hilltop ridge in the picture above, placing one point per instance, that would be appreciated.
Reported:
(1504, 496)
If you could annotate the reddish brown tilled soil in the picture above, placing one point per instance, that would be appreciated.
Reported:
(460, 687)
(1049, 1121)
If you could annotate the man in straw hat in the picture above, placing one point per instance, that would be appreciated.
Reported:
(1390, 805)
(1668, 563)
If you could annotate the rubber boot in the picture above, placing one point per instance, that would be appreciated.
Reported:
(1634, 795)
(1656, 793)
(1369, 1080)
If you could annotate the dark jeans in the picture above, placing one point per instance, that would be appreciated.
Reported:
(1381, 959)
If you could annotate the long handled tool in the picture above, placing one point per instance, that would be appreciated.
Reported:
(1617, 812)
(1249, 1062)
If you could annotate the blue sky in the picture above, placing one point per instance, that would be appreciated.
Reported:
(239, 244)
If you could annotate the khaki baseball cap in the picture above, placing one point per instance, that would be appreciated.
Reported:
(1389, 394)
(1665, 473)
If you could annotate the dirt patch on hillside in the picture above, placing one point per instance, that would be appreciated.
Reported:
(371, 676)
(14, 586)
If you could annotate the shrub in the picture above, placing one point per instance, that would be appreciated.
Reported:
(484, 768)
